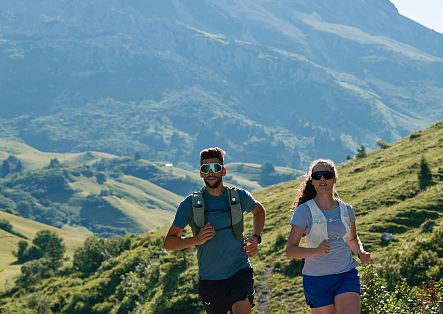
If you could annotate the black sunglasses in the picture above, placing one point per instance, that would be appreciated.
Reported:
(325, 174)
(212, 166)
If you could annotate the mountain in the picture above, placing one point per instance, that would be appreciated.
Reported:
(397, 190)
(279, 81)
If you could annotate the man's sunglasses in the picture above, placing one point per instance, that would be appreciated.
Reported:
(212, 166)
(325, 174)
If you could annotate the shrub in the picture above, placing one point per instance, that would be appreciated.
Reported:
(101, 178)
(5, 225)
(90, 256)
(361, 152)
(382, 144)
(95, 251)
(425, 174)
(376, 298)
(415, 135)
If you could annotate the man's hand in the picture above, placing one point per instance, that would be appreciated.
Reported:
(365, 257)
(323, 248)
(250, 246)
(206, 233)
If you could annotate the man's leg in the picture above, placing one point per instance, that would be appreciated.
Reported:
(242, 307)
(214, 295)
(242, 291)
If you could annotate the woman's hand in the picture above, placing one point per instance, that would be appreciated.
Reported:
(323, 248)
(365, 257)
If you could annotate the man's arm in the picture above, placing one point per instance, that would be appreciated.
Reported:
(173, 240)
(258, 220)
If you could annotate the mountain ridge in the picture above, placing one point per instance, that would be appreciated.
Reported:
(301, 74)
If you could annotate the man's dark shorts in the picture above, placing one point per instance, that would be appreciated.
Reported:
(218, 296)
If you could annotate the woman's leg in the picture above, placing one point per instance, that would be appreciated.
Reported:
(328, 309)
(347, 303)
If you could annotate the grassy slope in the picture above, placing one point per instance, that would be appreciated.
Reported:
(73, 238)
(383, 188)
(34, 159)
(139, 199)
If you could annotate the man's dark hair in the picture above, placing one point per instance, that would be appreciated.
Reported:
(212, 152)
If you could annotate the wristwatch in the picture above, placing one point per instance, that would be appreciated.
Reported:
(258, 237)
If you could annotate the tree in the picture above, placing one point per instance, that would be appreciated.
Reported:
(24, 208)
(90, 256)
(268, 174)
(19, 167)
(361, 152)
(425, 174)
(52, 247)
(33, 272)
(21, 251)
(100, 178)
(5, 169)
(137, 156)
(267, 168)
(54, 163)
(5, 225)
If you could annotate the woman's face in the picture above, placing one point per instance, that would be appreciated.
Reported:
(323, 178)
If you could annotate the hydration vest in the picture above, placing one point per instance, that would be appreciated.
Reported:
(198, 212)
(319, 228)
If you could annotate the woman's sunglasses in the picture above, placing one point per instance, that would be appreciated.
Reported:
(212, 166)
(325, 174)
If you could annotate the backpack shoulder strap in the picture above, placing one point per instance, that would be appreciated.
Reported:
(198, 211)
(236, 213)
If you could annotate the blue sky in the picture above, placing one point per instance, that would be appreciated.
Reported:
(426, 12)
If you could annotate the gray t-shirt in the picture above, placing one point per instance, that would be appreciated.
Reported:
(339, 259)
(222, 256)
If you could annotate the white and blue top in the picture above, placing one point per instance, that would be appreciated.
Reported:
(339, 259)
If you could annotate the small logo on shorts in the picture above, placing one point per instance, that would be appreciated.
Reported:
(208, 303)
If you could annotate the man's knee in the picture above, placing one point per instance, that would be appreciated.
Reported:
(242, 307)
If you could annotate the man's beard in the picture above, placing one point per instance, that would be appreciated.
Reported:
(213, 185)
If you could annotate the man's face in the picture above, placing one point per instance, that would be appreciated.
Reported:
(212, 179)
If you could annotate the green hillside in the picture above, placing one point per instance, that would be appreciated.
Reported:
(73, 238)
(107, 194)
(394, 190)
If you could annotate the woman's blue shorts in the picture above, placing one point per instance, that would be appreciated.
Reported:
(321, 290)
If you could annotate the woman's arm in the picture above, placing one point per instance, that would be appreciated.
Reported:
(357, 247)
(293, 250)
